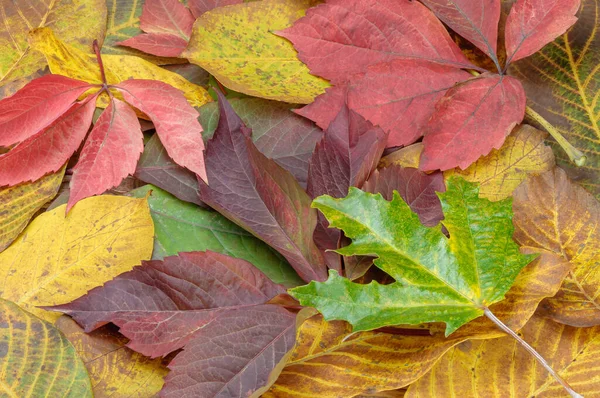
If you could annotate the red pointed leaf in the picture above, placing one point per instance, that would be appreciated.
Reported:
(167, 16)
(110, 153)
(36, 105)
(259, 195)
(46, 152)
(416, 188)
(161, 45)
(326, 106)
(344, 37)
(476, 21)
(175, 120)
(199, 7)
(472, 119)
(532, 24)
(400, 96)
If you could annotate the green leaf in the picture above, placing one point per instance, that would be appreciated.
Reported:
(437, 279)
(184, 227)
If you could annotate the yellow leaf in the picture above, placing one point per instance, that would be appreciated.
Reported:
(57, 259)
(68, 61)
(21, 202)
(554, 215)
(115, 370)
(502, 368)
(36, 359)
(501, 172)
(405, 157)
(329, 361)
(77, 22)
(236, 44)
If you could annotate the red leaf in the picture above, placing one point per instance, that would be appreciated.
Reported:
(110, 153)
(400, 96)
(161, 45)
(472, 119)
(416, 188)
(476, 21)
(325, 107)
(175, 120)
(344, 37)
(36, 105)
(47, 151)
(199, 7)
(532, 24)
(197, 301)
(259, 195)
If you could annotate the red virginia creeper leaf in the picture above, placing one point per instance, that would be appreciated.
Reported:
(110, 153)
(416, 188)
(199, 7)
(36, 105)
(47, 151)
(344, 37)
(161, 45)
(259, 195)
(476, 21)
(175, 120)
(532, 24)
(473, 118)
(210, 304)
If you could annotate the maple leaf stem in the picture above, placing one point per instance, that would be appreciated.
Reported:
(532, 351)
(100, 64)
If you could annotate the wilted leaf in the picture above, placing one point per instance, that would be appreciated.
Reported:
(503, 170)
(77, 22)
(236, 44)
(37, 360)
(474, 267)
(21, 202)
(276, 131)
(405, 157)
(114, 370)
(554, 215)
(58, 258)
(264, 199)
(183, 227)
(211, 305)
(562, 83)
(69, 61)
(502, 368)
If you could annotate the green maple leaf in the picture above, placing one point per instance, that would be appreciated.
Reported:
(437, 279)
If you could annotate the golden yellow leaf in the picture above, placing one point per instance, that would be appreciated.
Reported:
(502, 368)
(500, 173)
(66, 60)
(329, 361)
(236, 44)
(554, 215)
(21, 202)
(115, 370)
(36, 359)
(57, 259)
(406, 157)
(77, 22)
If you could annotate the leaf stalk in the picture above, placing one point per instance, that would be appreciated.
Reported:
(100, 64)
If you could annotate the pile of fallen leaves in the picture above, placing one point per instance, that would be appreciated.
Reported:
(298, 198)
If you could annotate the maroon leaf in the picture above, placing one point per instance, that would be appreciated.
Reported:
(259, 195)
(36, 105)
(47, 151)
(197, 301)
(343, 37)
(161, 45)
(416, 188)
(175, 120)
(326, 106)
(473, 118)
(199, 7)
(532, 24)
(109, 154)
(476, 21)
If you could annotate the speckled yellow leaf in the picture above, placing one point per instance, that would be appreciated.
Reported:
(555, 215)
(69, 61)
(502, 368)
(405, 157)
(77, 22)
(36, 360)
(115, 370)
(500, 173)
(57, 259)
(236, 44)
(21, 202)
